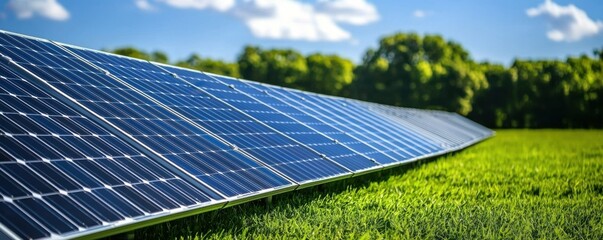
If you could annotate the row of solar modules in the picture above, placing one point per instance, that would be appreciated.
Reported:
(93, 143)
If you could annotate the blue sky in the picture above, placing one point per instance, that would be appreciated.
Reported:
(494, 30)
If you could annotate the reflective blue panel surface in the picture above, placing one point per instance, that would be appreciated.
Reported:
(447, 128)
(178, 141)
(306, 128)
(392, 138)
(49, 154)
(322, 122)
(228, 91)
(248, 135)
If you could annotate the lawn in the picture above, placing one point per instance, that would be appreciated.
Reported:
(519, 184)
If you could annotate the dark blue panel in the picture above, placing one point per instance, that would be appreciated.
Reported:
(267, 145)
(28, 178)
(20, 223)
(42, 213)
(265, 95)
(74, 211)
(125, 208)
(56, 163)
(153, 125)
(97, 206)
(278, 121)
(389, 138)
(411, 141)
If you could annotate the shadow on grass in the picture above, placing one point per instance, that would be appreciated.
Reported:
(231, 220)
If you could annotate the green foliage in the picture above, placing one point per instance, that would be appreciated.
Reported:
(282, 67)
(423, 72)
(156, 56)
(194, 61)
(493, 106)
(539, 184)
(328, 74)
(543, 94)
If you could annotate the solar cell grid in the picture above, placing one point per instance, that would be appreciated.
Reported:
(322, 123)
(410, 141)
(157, 128)
(54, 162)
(298, 124)
(407, 138)
(343, 122)
(269, 146)
(236, 94)
(206, 110)
(446, 134)
(462, 123)
(385, 135)
(398, 118)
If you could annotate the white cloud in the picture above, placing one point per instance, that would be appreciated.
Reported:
(51, 9)
(419, 14)
(220, 5)
(144, 5)
(568, 23)
(289, 19)
(297, 20)
(356, 12)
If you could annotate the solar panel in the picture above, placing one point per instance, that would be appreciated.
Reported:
(206, 109)
(61, 173)
(396, 138)
(446, 128)
(294, 112)
(93, 143)
(159, 128)
(235, 94)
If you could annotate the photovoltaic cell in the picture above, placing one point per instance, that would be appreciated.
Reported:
(54, 162)
(408, 137)
(383, 146)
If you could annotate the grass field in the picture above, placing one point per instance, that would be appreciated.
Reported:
(520, 184)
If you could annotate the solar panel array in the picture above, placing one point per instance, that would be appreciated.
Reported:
(93, 143)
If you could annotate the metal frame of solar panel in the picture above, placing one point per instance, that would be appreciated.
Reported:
(93, 144)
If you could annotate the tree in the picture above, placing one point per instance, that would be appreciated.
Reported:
(282, 67)
(415, 71)
(327, 74)
(598, 53)
(156, 56)
(493, 106)
(194, 61)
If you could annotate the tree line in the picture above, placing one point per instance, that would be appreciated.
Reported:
(430, 72)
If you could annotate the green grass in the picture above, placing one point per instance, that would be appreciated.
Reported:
(520, 184)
